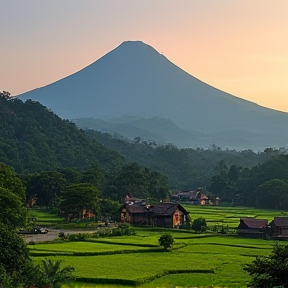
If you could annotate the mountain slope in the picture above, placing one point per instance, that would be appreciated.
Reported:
(33, 138)
(135, 80)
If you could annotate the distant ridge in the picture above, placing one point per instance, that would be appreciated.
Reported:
(136, 80)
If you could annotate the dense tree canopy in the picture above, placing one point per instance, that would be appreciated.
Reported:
(32, 139)
(46, 185)
(14, 253)
(185, 168)
(270, 271)
(272, 194)
(12, 212)
(264, 185)
(139, 182)
(10, 180)
(35, 140)
(78, 197)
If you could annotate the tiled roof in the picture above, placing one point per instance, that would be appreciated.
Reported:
(134, 208)
(193, 195)
(280, 221)
(254, 223)
(165, 208)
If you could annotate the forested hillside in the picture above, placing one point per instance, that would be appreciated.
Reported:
(35, 140)
(32, 138)
(186, 168)
(263, 186)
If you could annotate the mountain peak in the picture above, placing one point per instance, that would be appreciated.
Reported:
(135, 79)
(135, 46)
(133, 42)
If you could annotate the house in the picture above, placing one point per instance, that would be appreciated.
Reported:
(32, 200)
(194, 197)
(132, 200)
(165, 214)
(252, 227)
(279, 228)
(191, 196)
(87, 214)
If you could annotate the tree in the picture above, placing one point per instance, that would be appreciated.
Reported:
(166, 240)
(6, 281)
(233, 173)
(94, 175)
(71, 175)
(199, 224)
(109, 208)
(272, 194)
(78, 197)
(53, 275)
(10, 180)
(47, 185)
(12, 212)
(131, 180)
(270, 271)
(14, 253)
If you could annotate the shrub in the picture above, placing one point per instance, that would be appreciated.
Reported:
(271, 270)
(199, 225)
(78, 236)
(61, 235)
(166, 240)
(126, 229)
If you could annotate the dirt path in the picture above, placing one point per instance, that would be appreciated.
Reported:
(51, 235)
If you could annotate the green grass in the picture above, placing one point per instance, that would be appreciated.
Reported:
(225, 255)
(217, 215)
(136, 259)
(45, 217)
(79, 247)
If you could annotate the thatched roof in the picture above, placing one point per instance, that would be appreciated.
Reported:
(252, 223)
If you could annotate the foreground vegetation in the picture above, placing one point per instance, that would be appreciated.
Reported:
(198, 259)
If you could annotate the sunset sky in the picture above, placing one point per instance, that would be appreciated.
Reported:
(240, 47)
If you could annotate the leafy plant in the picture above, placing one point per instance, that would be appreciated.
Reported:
(54, 275)
(269, 271)
(199, 224)
(166, 240)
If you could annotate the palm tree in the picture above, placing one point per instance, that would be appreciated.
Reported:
(53, 274)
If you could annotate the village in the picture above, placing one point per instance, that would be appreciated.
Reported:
(172, 214)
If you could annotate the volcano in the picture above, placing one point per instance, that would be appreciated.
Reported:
(134, 80)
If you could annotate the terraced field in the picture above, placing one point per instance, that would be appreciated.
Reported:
(196, 260)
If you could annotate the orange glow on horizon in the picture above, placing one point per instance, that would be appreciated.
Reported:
(240, 47)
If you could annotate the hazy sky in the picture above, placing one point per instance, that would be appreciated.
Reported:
(239, 46)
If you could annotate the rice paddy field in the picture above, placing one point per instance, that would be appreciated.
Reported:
(44, 217)
(217, 215)
(196, 260)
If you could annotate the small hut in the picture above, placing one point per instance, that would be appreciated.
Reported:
(252, 227)
(165, 214)
(279, 228)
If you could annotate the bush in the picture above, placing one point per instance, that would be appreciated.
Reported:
(78, 237)
(166, 240)
(126, 229)
(61, 235)
(199, 225)
(271, 270)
